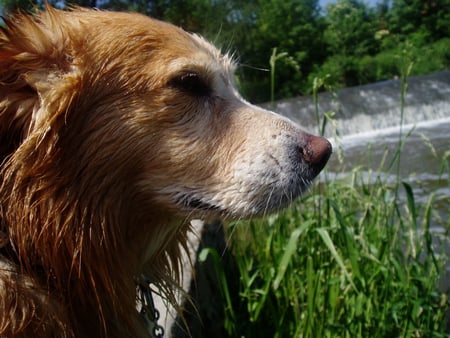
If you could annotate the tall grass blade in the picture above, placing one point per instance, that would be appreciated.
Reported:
(291, 248)
(330, 245)
(209, 252)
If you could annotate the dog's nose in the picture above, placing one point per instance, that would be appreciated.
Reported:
(316, 152)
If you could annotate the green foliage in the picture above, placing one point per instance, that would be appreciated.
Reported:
(347, 261)
(351, 28)
(348, 40)
(363, 43)
(12, 5)
(223, 286)
(298, 24)
(411, 16)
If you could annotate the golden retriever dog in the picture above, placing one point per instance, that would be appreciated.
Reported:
(115, 131)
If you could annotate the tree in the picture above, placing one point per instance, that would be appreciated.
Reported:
(349, 36)
(293, 27)
(431, 17)
(349, 43)
(8, 6)
(350, 28)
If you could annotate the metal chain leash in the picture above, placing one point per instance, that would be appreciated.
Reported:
(148, 311)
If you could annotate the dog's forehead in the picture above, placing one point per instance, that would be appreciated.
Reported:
(202, 55)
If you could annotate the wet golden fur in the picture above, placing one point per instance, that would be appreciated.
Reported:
(115, 130)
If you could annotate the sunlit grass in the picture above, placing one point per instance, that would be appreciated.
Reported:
(346, 261)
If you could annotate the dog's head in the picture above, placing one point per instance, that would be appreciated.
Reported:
(141, 101)
(213, 153)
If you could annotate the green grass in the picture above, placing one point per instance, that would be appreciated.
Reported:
(348, 260)
(353, 258)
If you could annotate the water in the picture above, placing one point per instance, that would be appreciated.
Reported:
(422, 161)
(368, 122)
(374, 106)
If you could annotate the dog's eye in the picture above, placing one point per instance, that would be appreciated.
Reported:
(191, 83)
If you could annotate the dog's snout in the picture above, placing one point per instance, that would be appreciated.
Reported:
(316, 152)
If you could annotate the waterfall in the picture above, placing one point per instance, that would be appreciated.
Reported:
(374, 107)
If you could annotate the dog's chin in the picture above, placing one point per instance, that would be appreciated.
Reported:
(239, 206)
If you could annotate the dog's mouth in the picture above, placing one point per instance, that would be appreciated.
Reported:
(190, 201)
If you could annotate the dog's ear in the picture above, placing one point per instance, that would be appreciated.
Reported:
(33, 56)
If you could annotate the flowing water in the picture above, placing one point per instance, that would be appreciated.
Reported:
(368, 122)
(368, 119)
